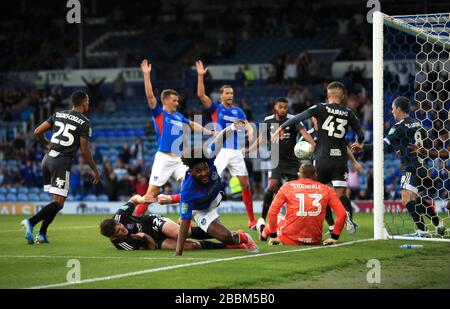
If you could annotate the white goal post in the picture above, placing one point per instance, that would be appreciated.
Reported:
(408, 26)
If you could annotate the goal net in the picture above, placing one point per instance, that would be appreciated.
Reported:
(411, 59)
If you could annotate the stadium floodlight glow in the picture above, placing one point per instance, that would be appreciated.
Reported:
(411, 58)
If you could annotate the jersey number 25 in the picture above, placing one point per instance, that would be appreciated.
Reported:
(65, 130)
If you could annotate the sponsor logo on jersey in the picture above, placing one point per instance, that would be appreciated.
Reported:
(184, 208)
(335, 152)
(228, 118)
(60, 182)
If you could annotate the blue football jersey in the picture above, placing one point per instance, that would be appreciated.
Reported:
(169, 130)
(196, 196)
(223, 117)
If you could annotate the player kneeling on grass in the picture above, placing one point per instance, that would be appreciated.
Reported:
(150, 232)
(306, 204)
(201, 195)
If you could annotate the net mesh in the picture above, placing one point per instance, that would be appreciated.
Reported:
(416, 65)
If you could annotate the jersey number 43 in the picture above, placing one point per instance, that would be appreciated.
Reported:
(328, 125)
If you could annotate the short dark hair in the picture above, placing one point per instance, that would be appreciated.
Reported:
(192, 158)
(336, 85)
(307, 170)
(281, 100)
(223, 88)
(402, 103)
(108, 227)
(78, 97)
(167, 93)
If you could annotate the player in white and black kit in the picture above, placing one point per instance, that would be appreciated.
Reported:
(288, 164)
(151, 232)
(331, 154)
(70, 130)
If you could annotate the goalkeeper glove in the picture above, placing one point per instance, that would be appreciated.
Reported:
(274, 241)
(329, 241)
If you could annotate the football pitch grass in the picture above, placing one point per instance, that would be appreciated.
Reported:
(102, 266)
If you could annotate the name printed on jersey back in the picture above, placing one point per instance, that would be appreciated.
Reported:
(338, 112)
(70, 117)
(305, 186)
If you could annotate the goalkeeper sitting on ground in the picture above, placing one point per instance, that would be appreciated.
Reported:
(306, 204)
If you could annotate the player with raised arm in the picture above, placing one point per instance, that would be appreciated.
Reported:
(288, 163)
(201, 195)
(223, 114)
(406, 131)
(331, 154)
(70, 130)
(150, 232)
(306, 201)
(169, 130)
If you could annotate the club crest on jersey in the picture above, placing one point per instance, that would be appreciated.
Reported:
(155, 178)
(130, 226)
(60, 182)
(214, 176)
(184, 208)
(203, 221)
(234, 112)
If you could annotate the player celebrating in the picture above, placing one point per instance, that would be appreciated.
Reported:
(70, 130)
(169, 129)
(201, 195)
(224, 113)
(288, 162)
(127, 232)
(331, 155)
(303, 226)
(408, 130)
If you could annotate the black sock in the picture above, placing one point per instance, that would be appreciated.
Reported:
(347, 205)
(198, 233)
(268, 198)
(329, 217)
(45, 213)
(212, 245)
(430, 212)
(47, 221)
(411, 206)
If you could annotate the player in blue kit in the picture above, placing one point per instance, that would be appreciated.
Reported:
(201, 195)
(223, 114)
(169, 126)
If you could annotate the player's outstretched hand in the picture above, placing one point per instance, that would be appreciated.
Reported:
(356, 147)
(164, 199)
(146, 67)
(329, 241)
(273, 241)
(96, 177)
(139, 235)
(201, 70)
(420, 151)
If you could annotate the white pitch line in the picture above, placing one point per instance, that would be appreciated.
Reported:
(153, 270)
(100, 257)
(57, 228)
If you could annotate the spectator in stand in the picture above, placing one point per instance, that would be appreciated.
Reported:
(110, 106)
(96, 154)
(75, 181)
(403, 76)
(93, 90)
(120, 169)
(137, 150)
(125, 189)
(392, 193)
(111, 186)
(353, 182)
(119, 87)
(249, 75)
(291, 70)
(28, 174)
(148, 129)
(239, 77)
(142, 185)
(125, 155)
(18, 144)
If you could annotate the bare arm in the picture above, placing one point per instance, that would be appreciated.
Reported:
(249, 130)
(259, 141)
(146, 70)
(201, 71)
(199, 128)
(182, 234)
(219, 139)
(356, 164)
(150, 243)
(84, 147)
(308, 137)
(40, 130)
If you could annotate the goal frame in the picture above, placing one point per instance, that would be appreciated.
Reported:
(379, 20)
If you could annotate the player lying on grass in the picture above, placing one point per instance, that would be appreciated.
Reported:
(306, 203)
(150, 232)
(201, 195)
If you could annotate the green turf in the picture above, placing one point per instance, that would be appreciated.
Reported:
(76, 236)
